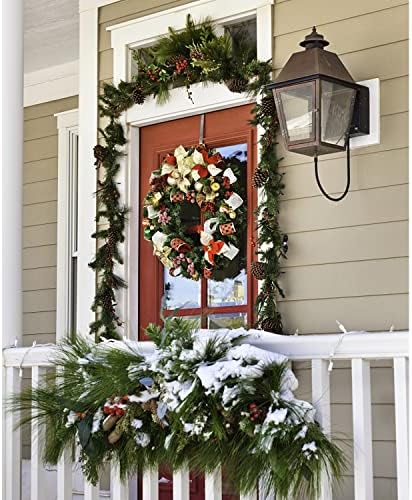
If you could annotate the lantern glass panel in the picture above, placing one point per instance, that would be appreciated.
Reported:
(296, 105)
(336, 111)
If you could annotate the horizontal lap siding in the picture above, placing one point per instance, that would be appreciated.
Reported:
(348, 261)
(40, 219)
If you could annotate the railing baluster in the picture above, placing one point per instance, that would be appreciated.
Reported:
(12, 440)
(321, 401)
(64, 476)
(362, 429)
(37, 471)
(119, 490)
(181, 484)
(400, 375)
(91, 492)
(213, 485)
(150, 484)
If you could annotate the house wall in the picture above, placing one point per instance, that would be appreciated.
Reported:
(348, 260)
(40, 219)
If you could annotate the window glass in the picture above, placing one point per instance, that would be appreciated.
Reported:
(229, 320)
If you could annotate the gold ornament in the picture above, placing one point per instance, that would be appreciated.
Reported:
(109, 422)
(215, 186)
(115, 435)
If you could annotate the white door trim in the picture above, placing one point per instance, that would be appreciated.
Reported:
(67, 123)
(140, 32)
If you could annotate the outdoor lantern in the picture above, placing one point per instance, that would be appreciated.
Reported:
(318, 103)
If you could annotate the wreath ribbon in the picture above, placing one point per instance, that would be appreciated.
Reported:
(212, 247)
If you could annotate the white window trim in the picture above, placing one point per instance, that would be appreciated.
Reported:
(141, 32)
(67, 123)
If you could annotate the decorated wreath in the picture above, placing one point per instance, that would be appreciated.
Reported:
(194, 211)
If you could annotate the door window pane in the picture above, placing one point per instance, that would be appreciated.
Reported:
(231, 286)
(181, 292)
(228, 320)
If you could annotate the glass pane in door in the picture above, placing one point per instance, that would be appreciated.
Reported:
(230, 289)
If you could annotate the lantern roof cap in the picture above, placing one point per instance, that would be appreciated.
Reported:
(314, 61)
(314, 39)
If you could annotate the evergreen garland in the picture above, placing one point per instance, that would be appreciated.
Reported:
(193, 55)
(204, 398)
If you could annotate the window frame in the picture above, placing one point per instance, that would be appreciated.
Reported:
(67, 232)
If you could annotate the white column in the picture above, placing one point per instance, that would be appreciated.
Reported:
(88, 118)
(12, 170)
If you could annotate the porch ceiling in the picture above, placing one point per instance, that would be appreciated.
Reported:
(51, 33)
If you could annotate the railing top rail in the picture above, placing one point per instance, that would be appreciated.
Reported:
(377, 345)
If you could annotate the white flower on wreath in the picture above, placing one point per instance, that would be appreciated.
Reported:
(178, 174)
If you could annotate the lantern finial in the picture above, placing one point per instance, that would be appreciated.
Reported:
(314, 40)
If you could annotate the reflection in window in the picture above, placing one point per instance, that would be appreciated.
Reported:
(229, 320)
(181, 292)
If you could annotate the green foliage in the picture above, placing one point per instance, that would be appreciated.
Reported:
(209, 400)
(195, 54)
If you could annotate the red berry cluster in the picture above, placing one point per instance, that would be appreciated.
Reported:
(255, 413)
(181, 65)
(117, 406)
(153, 74)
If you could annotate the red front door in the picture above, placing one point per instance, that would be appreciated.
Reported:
(214, 304)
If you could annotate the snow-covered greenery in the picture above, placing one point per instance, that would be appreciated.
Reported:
(203, 398)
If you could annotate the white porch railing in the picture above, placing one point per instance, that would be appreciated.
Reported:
(358, 348)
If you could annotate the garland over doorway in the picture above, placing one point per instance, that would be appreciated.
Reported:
(196, 54)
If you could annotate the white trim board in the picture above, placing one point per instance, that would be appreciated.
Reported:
(67, 123)
(140, 32)
(94, 4)
(50, 84)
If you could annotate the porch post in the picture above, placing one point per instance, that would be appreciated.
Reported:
(12, 171)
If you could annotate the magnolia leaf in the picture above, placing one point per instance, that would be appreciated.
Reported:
(161, 410)
(146, 381)
(84, 429)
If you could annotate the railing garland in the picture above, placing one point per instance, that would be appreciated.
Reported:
(204, 398)
(193, 55)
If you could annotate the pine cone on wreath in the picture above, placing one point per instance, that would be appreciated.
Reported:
(271, 325)
(138, 95)
(258, 270)
(237, 85)
(100, 153)
(268, 106)
(259, 178)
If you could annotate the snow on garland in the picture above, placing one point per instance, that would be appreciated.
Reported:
(201, 177)
(204, 398)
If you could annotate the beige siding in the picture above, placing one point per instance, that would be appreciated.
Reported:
(347, 261)
(354, 252)
(40, 219)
